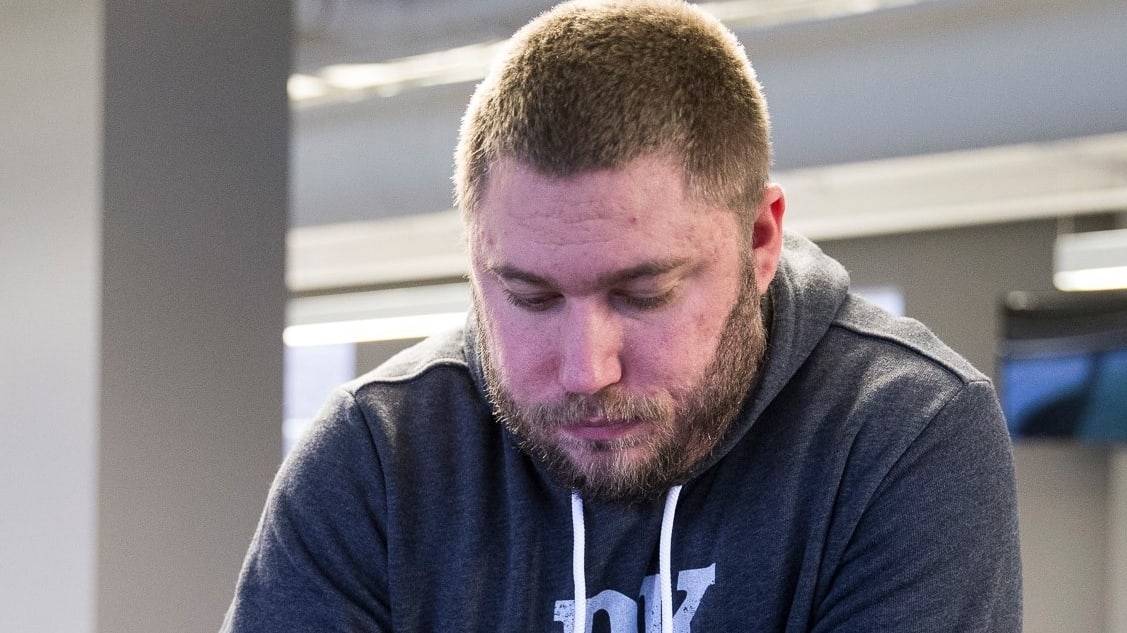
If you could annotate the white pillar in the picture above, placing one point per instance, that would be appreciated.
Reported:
(50, 214)
(143, 159)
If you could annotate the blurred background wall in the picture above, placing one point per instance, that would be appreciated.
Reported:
(143, 198)
(166, 210)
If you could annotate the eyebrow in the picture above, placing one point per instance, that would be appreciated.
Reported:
(643, 270)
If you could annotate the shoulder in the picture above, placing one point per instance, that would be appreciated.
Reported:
(866, 330)
(442, 350)
(435, 367)
(424, 398)
(877, 383)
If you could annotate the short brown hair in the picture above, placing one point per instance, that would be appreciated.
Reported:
(595, 85)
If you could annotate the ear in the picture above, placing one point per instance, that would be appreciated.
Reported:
(767, 235)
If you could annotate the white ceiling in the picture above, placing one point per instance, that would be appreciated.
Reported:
(356, 49)
(360, 31)
(902, 118)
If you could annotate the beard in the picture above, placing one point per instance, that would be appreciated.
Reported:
(683, 428)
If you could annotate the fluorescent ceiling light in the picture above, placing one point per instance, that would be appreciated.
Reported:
(760, 14)
(1095, 260)
(376, 315)
(303, 87)
(1110, 278)
(350, 81)
(367, 330)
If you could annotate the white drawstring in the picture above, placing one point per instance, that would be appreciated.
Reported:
(665, 575)
(577, 572)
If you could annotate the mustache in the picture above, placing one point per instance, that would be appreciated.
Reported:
(610, 405)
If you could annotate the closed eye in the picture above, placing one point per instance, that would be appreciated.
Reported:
(647, 302)
(536, 302)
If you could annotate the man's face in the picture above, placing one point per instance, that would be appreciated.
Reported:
(619, 320)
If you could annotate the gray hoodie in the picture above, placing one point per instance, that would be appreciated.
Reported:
(867, 486)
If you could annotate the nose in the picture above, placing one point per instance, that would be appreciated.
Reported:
(591, 347)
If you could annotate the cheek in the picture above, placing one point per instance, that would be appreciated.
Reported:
(676, 352)
(520, 351)
(709, 326)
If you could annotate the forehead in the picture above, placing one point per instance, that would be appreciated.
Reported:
(644, 207)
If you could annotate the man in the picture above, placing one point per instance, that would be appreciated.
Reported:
(663, 414)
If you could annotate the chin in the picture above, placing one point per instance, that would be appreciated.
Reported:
(615, 462)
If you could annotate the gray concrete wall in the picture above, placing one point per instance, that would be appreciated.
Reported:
(143, 201)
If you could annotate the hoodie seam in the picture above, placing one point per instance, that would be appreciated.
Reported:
(414, 374)
(963, 376)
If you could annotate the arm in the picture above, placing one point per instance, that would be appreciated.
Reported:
(936, 548)
(318, 560)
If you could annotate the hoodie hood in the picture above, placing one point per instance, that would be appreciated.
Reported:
(801, 303)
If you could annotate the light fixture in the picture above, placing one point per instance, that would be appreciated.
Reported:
(1095, 260)
(747, 14)
(304, 87)
(371, 330)
(385, 79)
(375, 315)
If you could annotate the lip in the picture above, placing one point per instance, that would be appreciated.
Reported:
(600, 429)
